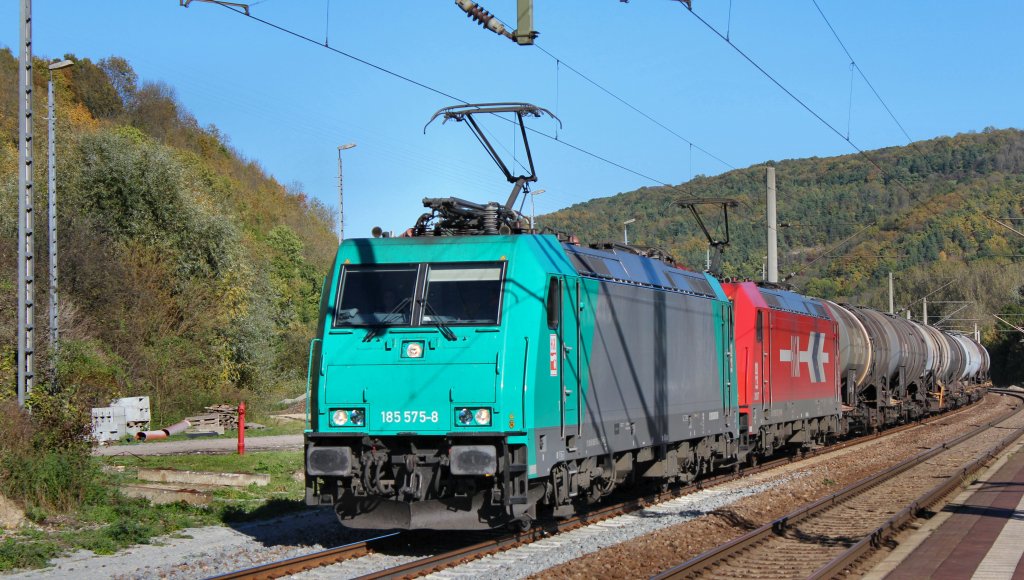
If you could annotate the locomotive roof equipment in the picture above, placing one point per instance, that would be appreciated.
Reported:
(465, 113)
(454, 216)
(717, 246)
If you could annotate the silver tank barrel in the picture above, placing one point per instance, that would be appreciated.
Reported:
(942, 355)
(973, 356)
(885, 341)
(854, 346)
(958, 359)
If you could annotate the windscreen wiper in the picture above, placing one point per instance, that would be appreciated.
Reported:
(442, 327)
(386, 320)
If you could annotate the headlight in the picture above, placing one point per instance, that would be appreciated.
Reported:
(467, 417)
(483, 416)
(357, 417)
(348, 417)
(340, 417)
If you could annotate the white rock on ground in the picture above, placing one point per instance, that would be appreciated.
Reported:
(11, 516)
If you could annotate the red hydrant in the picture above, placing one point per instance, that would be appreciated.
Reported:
(241, 428)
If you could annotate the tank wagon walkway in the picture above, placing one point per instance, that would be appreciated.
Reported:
(979, 535)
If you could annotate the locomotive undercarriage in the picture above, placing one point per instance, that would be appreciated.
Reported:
(577, 483)
(408, 482)
(421, 482)
(797, 434)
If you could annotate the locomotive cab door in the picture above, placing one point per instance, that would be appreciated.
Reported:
(764, 323)
(569, 375)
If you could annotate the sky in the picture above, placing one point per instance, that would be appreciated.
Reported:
(941, 67)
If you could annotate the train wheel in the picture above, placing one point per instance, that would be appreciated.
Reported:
(522, 524)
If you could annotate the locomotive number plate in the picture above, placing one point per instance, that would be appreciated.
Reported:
(409, 416)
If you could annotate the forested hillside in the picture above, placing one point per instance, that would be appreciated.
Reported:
(924, 216)
(187, 272)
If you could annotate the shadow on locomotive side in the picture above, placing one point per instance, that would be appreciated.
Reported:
(476, 373)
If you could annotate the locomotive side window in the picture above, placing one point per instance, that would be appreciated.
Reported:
(759, 328)
(463, 294)
(554, 303)
(376, 295)
(690, 283)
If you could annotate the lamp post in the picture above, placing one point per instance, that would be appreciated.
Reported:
(533, 209)
(341, 194)
(52, 213)
(625, 230)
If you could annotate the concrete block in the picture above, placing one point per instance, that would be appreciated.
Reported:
(167, 494)
(204, 477)
(108, 423)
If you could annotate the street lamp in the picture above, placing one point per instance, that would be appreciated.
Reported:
(52, 211)
(341, 195)
(533, 209)
(625, 230)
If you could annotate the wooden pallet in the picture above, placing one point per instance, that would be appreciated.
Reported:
(217, 416)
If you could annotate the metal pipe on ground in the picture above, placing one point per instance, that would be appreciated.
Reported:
(163, 433)
(151, 435)
(178, 427)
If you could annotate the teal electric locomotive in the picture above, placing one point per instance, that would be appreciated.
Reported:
(470, 381)
(475, 373)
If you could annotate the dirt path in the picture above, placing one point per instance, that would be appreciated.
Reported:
(269, 443)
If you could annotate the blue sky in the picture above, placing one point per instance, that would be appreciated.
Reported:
(943, 67)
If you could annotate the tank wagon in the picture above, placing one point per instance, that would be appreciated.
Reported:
(895, 370)
(468, 382)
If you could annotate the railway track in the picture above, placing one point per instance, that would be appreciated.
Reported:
(829, 537)
(469, 550)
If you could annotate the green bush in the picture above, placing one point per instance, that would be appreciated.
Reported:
(44, 457)
(17, 553)
(58, 480)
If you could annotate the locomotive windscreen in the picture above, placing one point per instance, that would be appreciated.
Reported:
(463, 294)
(376, 295)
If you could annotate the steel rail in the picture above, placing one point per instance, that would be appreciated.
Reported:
(913, 511)
(708, 559)
(307, 561)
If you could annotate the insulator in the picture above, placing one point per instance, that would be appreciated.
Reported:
(482, 17)
(491, 218)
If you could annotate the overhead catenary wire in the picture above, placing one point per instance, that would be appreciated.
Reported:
(823, 121)
(888, 110)
(442, 93)
(560, 63)
(634, 108)
(860, 71)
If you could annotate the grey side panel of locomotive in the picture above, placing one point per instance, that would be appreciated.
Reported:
(654, 374)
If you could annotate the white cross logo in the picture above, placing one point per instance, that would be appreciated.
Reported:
(815, 356)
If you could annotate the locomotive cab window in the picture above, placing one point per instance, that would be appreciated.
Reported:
(463, 294)
(376, 295)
